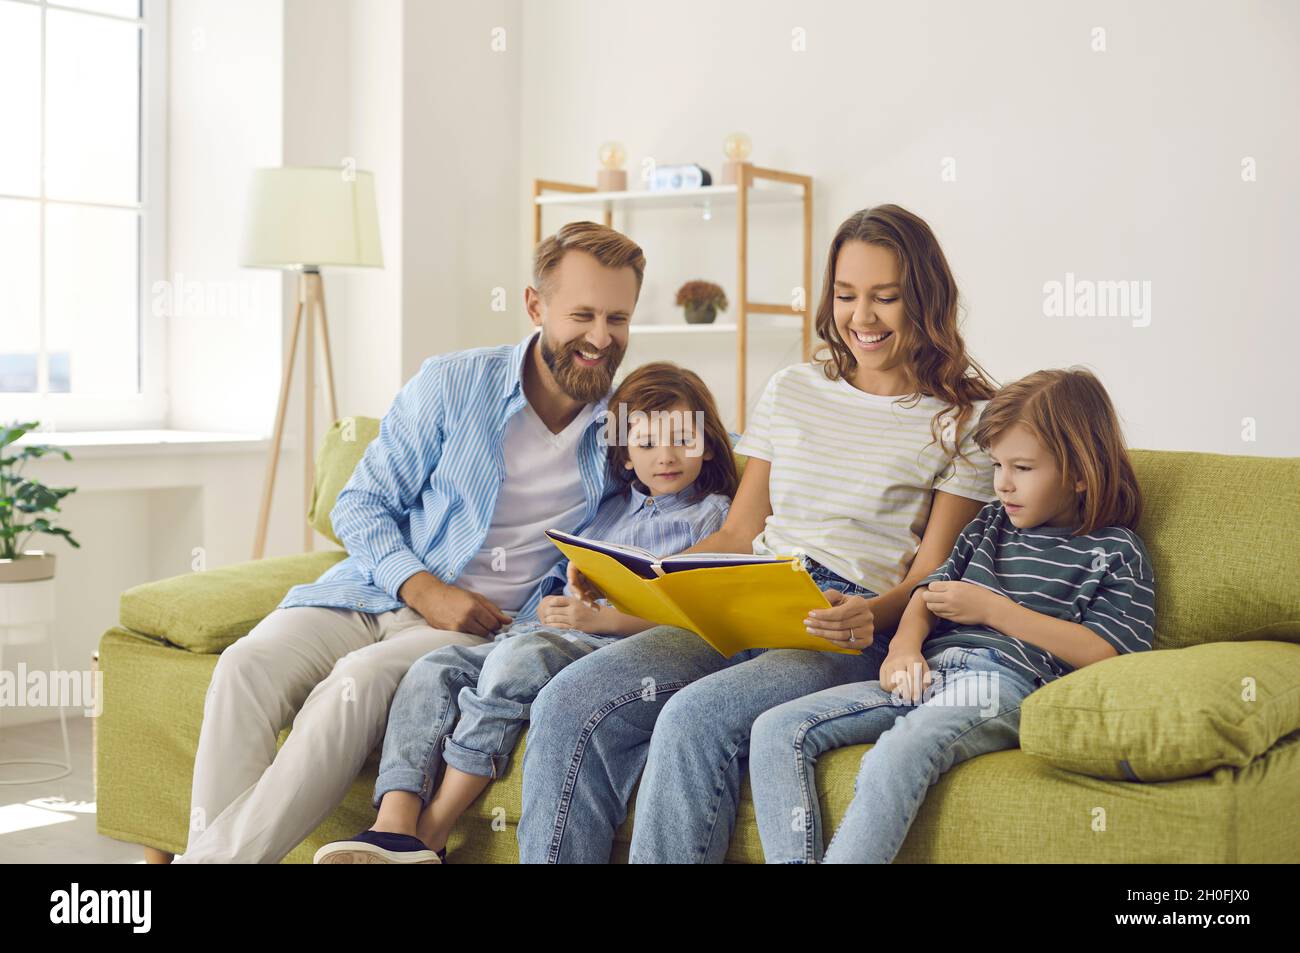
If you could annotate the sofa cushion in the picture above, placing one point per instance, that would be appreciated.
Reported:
(208, 610)
(1167, 714)
(338, 456)
(1223, 533)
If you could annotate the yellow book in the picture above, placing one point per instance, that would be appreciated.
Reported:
(732, 601)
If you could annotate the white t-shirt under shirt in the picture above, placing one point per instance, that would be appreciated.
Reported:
(542, 490)
(853, 474)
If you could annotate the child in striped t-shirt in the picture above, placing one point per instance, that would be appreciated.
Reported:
(1047, 579)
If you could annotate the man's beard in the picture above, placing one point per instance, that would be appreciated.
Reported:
(587, 384)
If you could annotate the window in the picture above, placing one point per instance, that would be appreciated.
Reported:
(82, 94)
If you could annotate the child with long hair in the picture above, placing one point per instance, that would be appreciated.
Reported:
(1048, 578)
(459, 711)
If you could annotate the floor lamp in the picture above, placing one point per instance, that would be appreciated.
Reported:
(303, 219)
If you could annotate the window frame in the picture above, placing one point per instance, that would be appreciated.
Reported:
(147, 409)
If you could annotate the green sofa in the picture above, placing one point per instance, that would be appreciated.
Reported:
(1189, 753)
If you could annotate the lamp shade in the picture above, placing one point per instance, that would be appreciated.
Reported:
(311, 216)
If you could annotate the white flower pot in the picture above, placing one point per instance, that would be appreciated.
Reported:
(26, 608)
(26, 611)
(33, 564)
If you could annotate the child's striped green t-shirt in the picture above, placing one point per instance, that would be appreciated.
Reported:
(1102, 581)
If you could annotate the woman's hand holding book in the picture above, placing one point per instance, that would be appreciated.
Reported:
(848, 622)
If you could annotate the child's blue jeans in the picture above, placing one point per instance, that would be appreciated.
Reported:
(465, 705)
(972, 707)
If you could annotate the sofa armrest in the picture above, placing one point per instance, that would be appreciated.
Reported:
(206, 611)
(1166, 714)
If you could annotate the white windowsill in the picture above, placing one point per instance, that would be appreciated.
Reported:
(133, 443)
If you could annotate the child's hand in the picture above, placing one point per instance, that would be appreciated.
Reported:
(961, 602)
(568, 613)
(905, 674)
(848, 622)
(587, 591)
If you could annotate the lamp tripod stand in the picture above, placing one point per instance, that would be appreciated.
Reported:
(311, 297)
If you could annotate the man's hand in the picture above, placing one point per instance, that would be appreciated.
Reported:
(445, 606)
(961, 602)
(848, 623)
(568, 613)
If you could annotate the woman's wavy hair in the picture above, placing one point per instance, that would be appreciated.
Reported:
(937, 363)
(659, 386)
(1072, 416)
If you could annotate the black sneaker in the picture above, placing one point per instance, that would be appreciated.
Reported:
(378, 847)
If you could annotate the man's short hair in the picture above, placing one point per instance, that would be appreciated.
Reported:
(612, 249)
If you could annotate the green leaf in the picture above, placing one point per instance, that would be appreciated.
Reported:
(44, 526)
(37, 495)
(38, 450)
(27, 495)
(11, 433)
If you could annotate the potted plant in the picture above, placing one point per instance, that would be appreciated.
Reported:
(702, 301)
(25, 505)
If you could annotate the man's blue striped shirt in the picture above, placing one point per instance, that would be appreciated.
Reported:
(422, 496)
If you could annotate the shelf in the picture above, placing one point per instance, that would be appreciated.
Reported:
(759, 186)
(716, 196)
(783, 323)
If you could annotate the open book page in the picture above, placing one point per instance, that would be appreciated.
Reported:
(635, 558)
(641, 561)
(684, 561)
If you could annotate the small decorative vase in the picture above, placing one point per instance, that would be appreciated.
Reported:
(29, 567)
(700, 313)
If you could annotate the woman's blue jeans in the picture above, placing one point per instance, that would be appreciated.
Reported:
(665, 701)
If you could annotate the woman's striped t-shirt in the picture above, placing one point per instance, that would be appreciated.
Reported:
(854, 474)
(1102, 581)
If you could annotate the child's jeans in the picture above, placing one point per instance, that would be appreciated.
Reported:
(465, 705)
(972, 707)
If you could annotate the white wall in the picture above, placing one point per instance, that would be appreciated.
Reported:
(369, 362)
(462, 157)
(236, 103)
(411, 91)
(224, 119)
(343, 103)
(1115, 165)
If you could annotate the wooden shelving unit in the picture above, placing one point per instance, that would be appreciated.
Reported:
(779, 188)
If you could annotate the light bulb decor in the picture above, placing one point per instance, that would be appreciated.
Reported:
(736, 147)
(612, 177)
